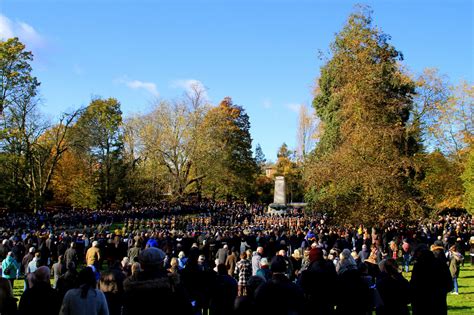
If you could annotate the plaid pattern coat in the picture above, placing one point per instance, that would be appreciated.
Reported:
(243, 270)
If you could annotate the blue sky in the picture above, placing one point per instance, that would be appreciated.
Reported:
(263, 54)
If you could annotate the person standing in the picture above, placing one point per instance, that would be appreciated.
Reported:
(243, 269)
(430, 283)
(10, 268)
(455, 260)
(93, 255)
(70, 255)
(87, 299)
(40, 298)
(7, 301)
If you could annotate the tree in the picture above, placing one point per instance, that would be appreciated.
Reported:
(444, 113)
(16, 81)
(441, 186)
(363, 167)
(171, 138)
(98, 138)
(468, 182)
(307, 127)
(30, 147)
(232, 169)
(260, 158)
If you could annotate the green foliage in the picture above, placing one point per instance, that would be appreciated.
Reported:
(98, 139)
(260, 158)
(232, 168)
(441, 186)
(16, 80)
(468, 182)
(363, 168)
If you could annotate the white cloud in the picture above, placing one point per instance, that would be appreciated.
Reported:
(189, 84)
(77, 69)
(267, 104)
(294, 107)
(150, 87)
(25, 32)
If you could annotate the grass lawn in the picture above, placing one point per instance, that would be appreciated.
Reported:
(457, 304)
(464, 302)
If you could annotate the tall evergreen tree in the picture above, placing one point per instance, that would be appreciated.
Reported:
(260, 158)
(363, 168)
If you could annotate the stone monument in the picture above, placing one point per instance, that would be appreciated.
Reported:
(279, 196)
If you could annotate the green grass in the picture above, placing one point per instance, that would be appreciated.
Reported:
(464, 302)
(457, 304)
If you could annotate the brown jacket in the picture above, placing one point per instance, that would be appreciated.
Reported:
(93, 256)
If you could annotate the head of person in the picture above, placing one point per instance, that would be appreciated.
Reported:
(389, 266)
(136, 268)
(278, 264)
(87, 281)
(108, 283)
(264, 263)
(316, 254)
(95, 244)
(41, 275)
(151, 259)
(260, 250)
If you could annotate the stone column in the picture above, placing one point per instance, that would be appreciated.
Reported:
(279, 196)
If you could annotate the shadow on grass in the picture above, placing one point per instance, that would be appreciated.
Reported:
(458, 308)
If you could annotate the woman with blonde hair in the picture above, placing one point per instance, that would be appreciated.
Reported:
(7, 301)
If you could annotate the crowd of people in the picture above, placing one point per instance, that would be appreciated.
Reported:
(226, 258)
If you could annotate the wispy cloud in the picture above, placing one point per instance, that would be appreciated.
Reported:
(150, 87)
(77, 69)
(189, 84)
(293, 107)
(25, 32)
(267, 104)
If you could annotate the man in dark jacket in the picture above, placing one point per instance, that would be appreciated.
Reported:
(40, 298)
(153, 288)
(318, 283)
(279, 295)
(430, 283)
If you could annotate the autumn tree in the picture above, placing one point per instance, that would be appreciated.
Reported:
(468, 182)
(231, 167)
(98, 141)
(307, 128)
(362, 168)
(30, 146)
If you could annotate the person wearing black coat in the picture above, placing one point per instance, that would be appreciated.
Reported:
(430, 283)
(279, 296)
(152, 290)
(40, 298)
(394, 290)
(318, 282)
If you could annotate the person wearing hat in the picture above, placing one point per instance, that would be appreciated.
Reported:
(264, 271)
(93, 255)
(318, 282)
(279, 295)
(438, 251)
(153, 288)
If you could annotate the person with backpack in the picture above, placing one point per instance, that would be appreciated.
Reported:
(10, 268)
